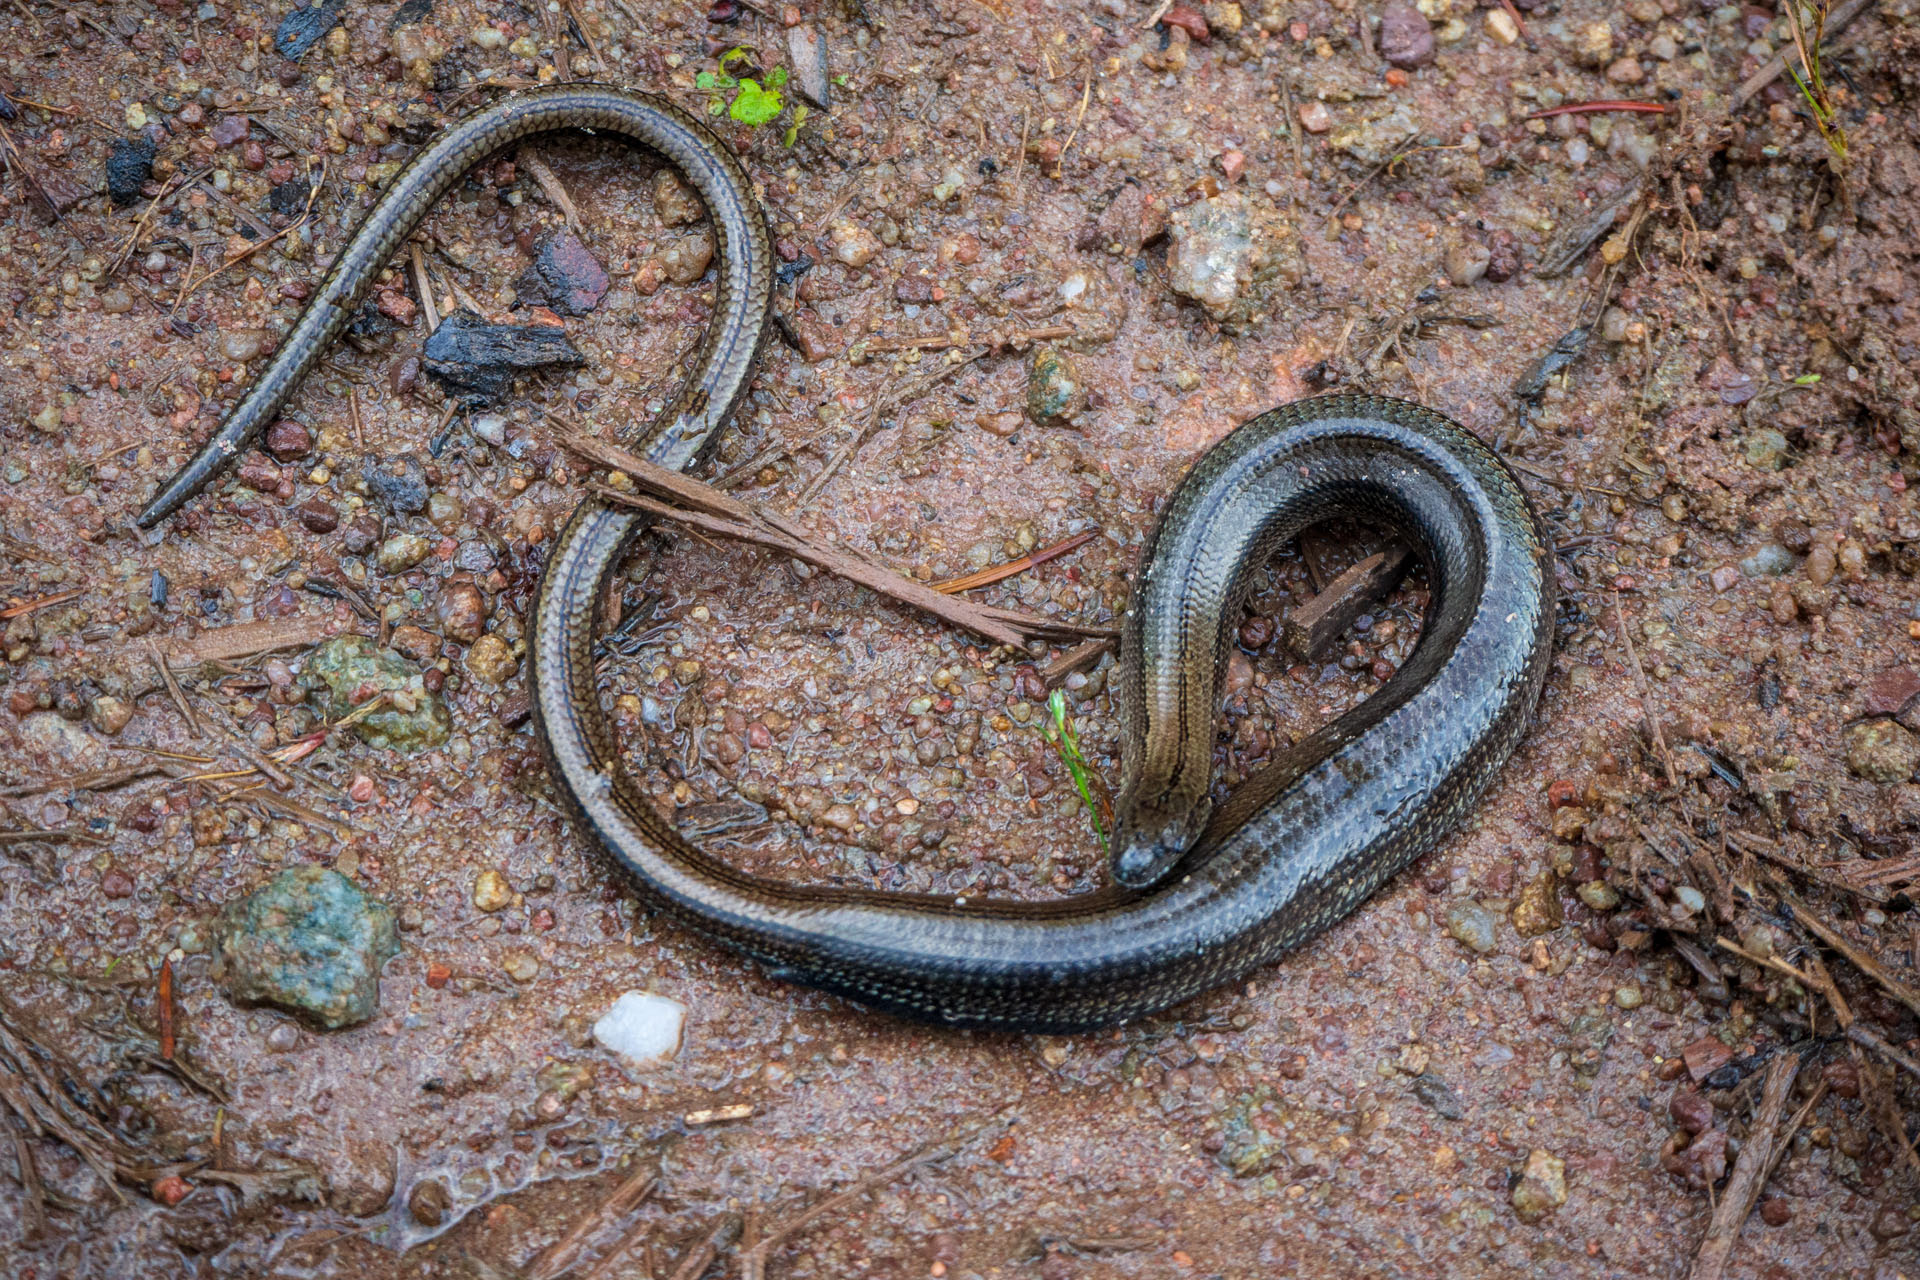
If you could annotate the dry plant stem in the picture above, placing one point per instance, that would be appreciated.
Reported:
(881, 406)
(189, 287)
(721, 513)
(941, 342)
(33, 606)
(753, 1262)
(98, 780)
(1859, 959)
(1837, 21)
(173, 688)
(1749, 1171)
(246, 639)
(1867, 1040)
(37, 1225)
(966, 615)
(1646, 696)
(1075, 659)
(1001, 572)
(1086, 96)
(1877, 1089)
(717, 1242)
(51, 1108)
(550, 184)
(1587, 108)
(423, 283)
(1822, 983)
(564, 1252)
(1785, 1143)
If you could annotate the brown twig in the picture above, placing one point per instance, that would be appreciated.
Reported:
(430, 309)
(1837, 21)
(33, 606)
(1646, 696)
(56, 835)
(164, 1009)
(1821, 982)
(996, 341)
(1519, 23)
(37, 1226)
(1401, 150)
(1866, 1039)
(882, 581)
(560, 1256)
(705, 507)
(245, 639)
(353, 416)
(174, 187)
(266, 767)
(1086, 96)
(1749, 1171)
(173, 689)
(1858, 958)
(246, 219)
(580, 25)
(1076, 658)
(882, 405)
(1001, 572)
(717, 1241)
(753, 1262)
(189, 286)
(1587, 108)
(551, 184)
(1309, 629)
(98, 780)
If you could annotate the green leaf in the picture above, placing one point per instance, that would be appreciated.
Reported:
(799, 118)
(776, 78)
(1806, 380)
(739, 53)
(1060, 734)
(706, 80)
(755, 106)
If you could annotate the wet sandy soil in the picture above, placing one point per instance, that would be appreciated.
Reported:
(1290, 1125)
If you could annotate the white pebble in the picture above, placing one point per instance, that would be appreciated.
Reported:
(642, 1028)
(492, 428)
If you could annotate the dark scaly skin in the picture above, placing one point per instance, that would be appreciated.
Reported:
(1293, 851)
(745, 255)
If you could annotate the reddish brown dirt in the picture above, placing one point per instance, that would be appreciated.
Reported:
(1110, 1155)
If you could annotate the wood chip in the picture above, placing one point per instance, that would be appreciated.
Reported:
(717, 1115)
(245, 639)
(1309, 629)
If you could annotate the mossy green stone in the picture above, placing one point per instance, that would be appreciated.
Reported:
(349, 670)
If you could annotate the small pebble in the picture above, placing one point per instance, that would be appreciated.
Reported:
(491, 892)
(642, 1028)
(491, 660)
(853, 244)
(1473, 925)
(1466, 262)
(401, 552)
